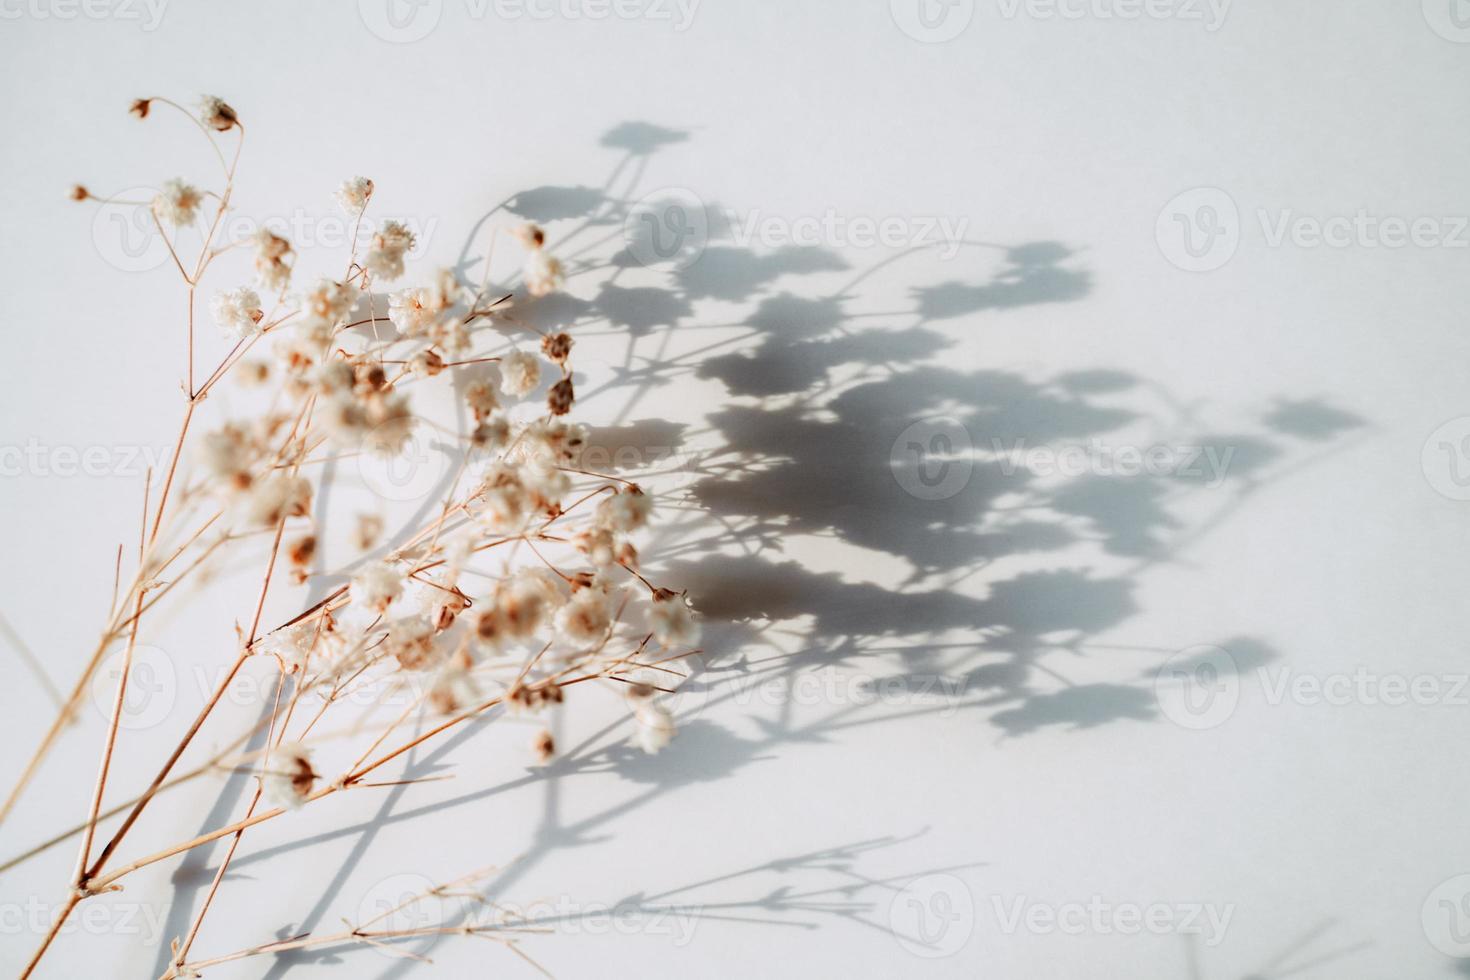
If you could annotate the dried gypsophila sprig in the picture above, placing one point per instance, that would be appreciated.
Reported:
(537, 630)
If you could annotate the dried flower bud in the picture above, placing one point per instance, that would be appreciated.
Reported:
(140, 107)
(559, 399)
(301, 550)
(530, 235)
(557, 347)
(251, 373)
(446, 611)
(543, 746)
(370, 377)
(217, 114)
(480, 396)
(352, 196)
(289, 777)
(79, 193)
(369, 529)
(426, 364)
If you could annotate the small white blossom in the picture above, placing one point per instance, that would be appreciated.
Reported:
(238, 312)
(391, 422)
(390, 244)
(273, 500)
(352, 196)
(411, 312)
(673, 622)
(272, 269)
(217, 114)
(376, 586)
(585, 619)
(177, 203)
(654, 726)
(626, 510)
(288, 777)
(328, 301)
(519, 373)
(543, 273)
(411, 642)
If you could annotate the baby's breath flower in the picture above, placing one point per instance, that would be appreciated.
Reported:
(177, 203)
(238, 312)
(557, 346)
(545, 483)
(390, 244)
(377, 585)
(519, 373)
(369, 529)
(492, 433)
(599, 545)
(411, 642)
(654, 726)
(529, 235)
(585, 619)
(543, 747)
(672, 622)
(352, 196)
(226, 455)
(626, 510)
(559, 399)
(526, 601)
(328, 301)
(426, 364)
(502, 500)
(217, 114)
(481, 398)
(272, 268)
(273, 500)
(410, 311)
(391, 423)
(543, 273)
(288, 777)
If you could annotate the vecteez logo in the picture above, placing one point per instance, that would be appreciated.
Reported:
(932, 21)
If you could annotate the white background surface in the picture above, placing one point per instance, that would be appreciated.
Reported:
(1055, 776)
